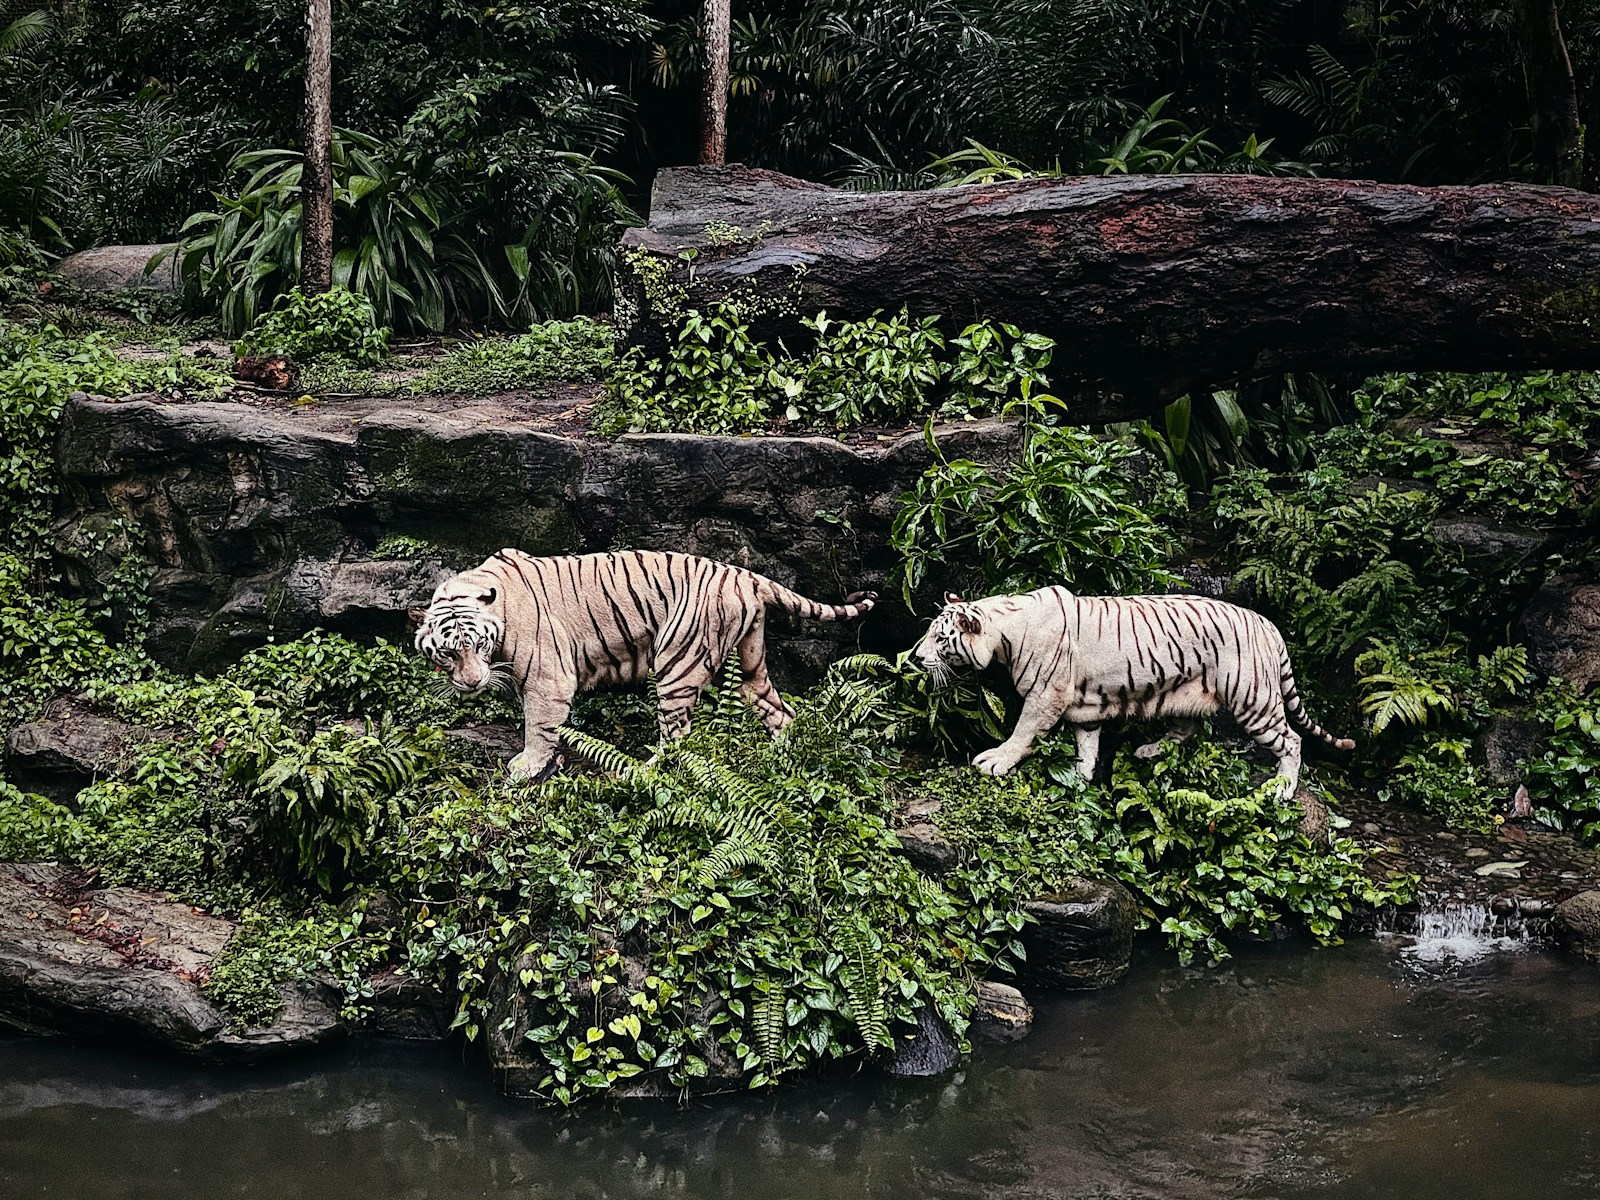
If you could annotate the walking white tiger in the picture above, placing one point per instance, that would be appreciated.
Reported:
(1090, 659)
(552, 627)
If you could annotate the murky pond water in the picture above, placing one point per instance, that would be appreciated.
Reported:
(1365, 1071)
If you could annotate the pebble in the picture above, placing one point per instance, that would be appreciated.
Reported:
(1372, 827)
(1445, 837)
(1479, 852)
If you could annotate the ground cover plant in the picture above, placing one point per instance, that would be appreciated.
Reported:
(717, 378)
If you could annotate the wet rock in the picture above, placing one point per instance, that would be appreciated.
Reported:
(112, 268)
(1314, 823)
(1506, 745)
(1577, 925)
(925, 844)
(1003, 1013)
(1486, 545)
(1083, 935)
(403, 1007)
(366, 596)
(124, 963)
(1533, 907)
(68, 749)
(1561, 626)
(930, 1049)
(1371, 828)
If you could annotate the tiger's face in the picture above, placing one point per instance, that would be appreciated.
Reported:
(459, 633)
(955, 641)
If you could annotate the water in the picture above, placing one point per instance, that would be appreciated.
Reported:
(1450, 934)
(1356, 1073)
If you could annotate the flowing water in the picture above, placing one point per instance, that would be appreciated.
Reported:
(1385, 1068)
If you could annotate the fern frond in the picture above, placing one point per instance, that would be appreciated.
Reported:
(604, 755)
(768, 1017)
(862, 976)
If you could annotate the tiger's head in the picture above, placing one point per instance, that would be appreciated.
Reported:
(459, 633)
(955, 641)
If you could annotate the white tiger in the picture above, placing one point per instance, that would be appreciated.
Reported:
(1091, 659)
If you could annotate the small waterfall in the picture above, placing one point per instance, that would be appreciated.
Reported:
(1452, 932)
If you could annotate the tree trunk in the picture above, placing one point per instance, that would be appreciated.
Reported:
(1552, 92)
(1151, 285)
(316, 177)
(715, 18)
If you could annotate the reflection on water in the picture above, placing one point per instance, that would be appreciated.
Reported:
(1287, 1074)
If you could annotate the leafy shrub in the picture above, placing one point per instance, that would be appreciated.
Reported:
(580, 350)
(33, 827)
(1067, 512)
(756, 873)
(868, 370)
(1564, 775)
(407, 234)
(325, 801)
(1206, 851)
(336, 323)
(716, 378)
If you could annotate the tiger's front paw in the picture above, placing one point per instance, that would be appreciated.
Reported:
(529, 767)
(998, 761)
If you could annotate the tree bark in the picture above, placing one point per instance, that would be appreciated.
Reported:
(1151, 285)
(716, 16)
(316, 176)
(1552, 92)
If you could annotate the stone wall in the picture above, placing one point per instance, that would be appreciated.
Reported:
(262, 519)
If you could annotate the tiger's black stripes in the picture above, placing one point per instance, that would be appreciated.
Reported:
(570, 623)
(1086, 659)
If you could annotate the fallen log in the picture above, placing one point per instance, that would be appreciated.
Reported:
(1150, 285)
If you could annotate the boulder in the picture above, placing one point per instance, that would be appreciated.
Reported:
(1561, 627)
(68, 749)
(256, 516)
(930, 1049)
(1485, 544)
(1003, 1013)
(1577, 924)
(925, 844)
(123, 963)
(112, 268)
(1506, 745)
(1082, 935)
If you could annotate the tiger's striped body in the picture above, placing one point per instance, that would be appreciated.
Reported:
(571, 623)
(1090, 659)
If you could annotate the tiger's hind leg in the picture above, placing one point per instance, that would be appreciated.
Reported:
(678, 693)
(1274, 733)
(757, 689)
(1180, 732)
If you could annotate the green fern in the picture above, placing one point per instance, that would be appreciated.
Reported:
(1397, 691)
(768, 1014)
(862, 975)
(603, 754)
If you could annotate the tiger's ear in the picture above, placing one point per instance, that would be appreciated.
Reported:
(488, 597)
(952, 598)
(417, 615)
(969, 622)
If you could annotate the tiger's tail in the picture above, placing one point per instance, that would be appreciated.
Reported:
(1296, 711)
(855, 605)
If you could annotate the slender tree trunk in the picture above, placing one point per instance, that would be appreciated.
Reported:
(715, 18)
(316, 179)
(1552, 92)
